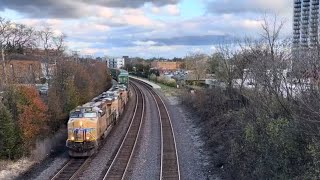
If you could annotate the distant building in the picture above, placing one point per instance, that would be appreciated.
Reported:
(115, 63)
(305, 23)
(166, 65)
(22, 69)
(99, 59)
(126, 58)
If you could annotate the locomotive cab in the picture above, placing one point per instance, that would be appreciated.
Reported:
(82, 131)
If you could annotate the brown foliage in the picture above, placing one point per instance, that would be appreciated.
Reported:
(32, 115)
(74, 84)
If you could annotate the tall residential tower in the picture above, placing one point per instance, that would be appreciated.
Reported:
(305, 23)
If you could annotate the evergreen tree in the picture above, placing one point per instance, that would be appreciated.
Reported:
(8, 138)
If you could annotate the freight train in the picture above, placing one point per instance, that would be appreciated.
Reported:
(89, 123)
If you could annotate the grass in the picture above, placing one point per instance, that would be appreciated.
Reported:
(167, 90)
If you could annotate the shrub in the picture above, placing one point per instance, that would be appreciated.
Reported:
(164, 80)
(259, 141)
(153, 77)
(171, 83)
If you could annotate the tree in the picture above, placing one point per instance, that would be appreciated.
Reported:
(8, 135)
(33, 117)
(53, 46)
(223, 64)
(197, 63)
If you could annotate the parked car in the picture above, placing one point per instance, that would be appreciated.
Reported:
(43, 91)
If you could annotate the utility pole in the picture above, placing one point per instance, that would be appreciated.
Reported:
(76, 55)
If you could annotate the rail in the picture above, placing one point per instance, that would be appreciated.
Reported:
(71, 169)
(169, 155)
(120, 163)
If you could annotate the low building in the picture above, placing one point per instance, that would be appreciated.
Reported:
(166, 65)
(22, 69)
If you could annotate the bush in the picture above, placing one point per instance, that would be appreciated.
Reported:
(163, 80)
(261, 140)
(153, 77)
(268, 148)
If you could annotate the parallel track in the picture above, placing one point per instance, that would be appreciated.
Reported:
(71, 169)
(119, 165)
(169, 154)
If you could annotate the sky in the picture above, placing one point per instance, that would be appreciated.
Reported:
(147, 28)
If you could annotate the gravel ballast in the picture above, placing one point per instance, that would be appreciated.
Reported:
(55, 166)
(145, 164)
(193, 160)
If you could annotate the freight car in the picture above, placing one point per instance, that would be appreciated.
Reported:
(90, 123)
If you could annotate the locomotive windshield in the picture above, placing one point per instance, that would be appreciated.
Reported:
(89, 114)
(76, 114)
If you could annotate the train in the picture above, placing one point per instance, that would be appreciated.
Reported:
(91, 122)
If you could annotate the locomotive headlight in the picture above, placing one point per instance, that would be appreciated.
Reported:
(72, 138)
(87, 138)
(80, 123)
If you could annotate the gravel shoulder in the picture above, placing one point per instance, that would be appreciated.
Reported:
(193, 159)
(145, 164)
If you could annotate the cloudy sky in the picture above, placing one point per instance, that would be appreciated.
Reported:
(147, 28)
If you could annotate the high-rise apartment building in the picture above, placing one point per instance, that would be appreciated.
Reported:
(305, 23)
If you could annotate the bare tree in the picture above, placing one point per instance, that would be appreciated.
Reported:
(197, 63)
(4, 34)
(53, 46)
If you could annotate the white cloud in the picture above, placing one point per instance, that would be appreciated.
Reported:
(145, 43)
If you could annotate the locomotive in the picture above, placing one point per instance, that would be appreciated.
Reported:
(90, 123)
(120, 75)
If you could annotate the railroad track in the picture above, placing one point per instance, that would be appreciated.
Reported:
(169, 154)
(120, 163)
(71, 169)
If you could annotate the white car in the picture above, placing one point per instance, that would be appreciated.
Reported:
(43, 91)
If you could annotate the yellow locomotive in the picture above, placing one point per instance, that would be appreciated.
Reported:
(90, 123)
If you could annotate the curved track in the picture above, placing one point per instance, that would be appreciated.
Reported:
(71, 169)
(169, 154)
(119, 165)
